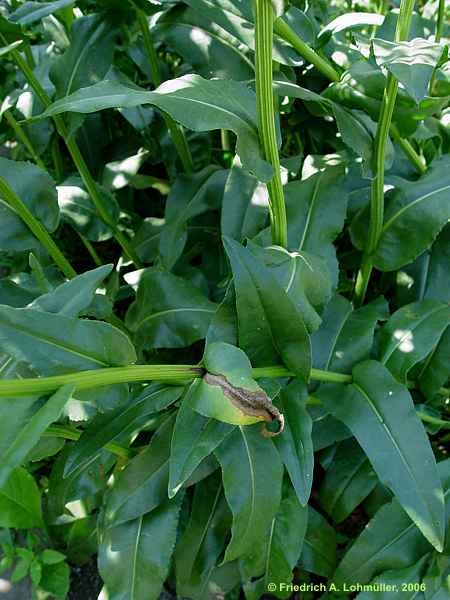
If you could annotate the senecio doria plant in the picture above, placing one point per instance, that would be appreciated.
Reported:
(224, 321)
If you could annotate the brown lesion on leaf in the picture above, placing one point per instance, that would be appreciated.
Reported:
(255, 404)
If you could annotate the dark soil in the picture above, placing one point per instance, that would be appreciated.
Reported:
(85, 582)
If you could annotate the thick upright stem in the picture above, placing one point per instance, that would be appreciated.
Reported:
(176, 131)
(77, 157)
(36, 227)
(440, 21)
(377, 188)
(266, 116)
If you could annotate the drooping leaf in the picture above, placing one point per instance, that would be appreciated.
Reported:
(248, 462)
(134, 557)
(412, 63)
(411, 334)
(348, 480)
(420, 206)
(383, 420)
(280, 330)
(196, 103)
(32, 430)
(194, 438)
(20, 501)
(295, 444)
(169, 312)
(54, 344)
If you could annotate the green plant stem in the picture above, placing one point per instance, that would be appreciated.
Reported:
(36, 228)
(266, 117)
(172, 374)
(23, 137)
(176, 131)
(440, 22)
(381, 137)
(90, 248)
(433, 420)
(70, 433)
(408, 149)
(325, 67)
(77, 157)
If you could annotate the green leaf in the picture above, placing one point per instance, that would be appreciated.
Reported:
(295, 443)
(194, 438)
(304, 277)
(245, 204)
(199, 548)
(282, 548)
(346, 335)
(398, 579)
(348, 481)
(29, 12)
(118, 424)
(436, 370)
(51, 557)
(383, 420)
(13, 46)
(37, 191)
(280, 330)
(88, 58)
(55, 579)
(142, 485)
(411, 334)
(134, 557)
(31, 431)
(420, 206)
(236, 17)
(412, 63)
(252, 474)
(188, 198)
(196, 103)
(209, 48)
(319, 547)
(351, 20)
(169, 312)
(72, 297)
(389, 541)
(54, 344)
(314, 223)
(78, 210)
(20, 501)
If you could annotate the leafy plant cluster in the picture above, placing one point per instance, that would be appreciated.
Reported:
(224, 320)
